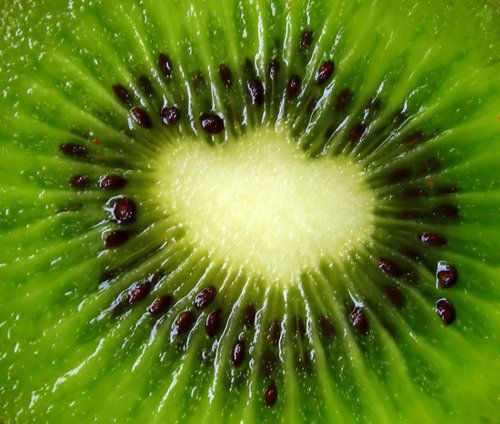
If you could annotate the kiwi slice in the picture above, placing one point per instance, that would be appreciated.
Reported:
(249, 211)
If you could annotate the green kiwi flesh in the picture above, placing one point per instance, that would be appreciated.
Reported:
(249, 211)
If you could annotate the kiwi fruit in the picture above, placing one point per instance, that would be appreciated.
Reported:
(249, 211)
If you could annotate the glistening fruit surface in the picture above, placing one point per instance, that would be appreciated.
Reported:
(170, 251)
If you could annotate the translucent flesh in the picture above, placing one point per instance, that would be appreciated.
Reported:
(64, 359)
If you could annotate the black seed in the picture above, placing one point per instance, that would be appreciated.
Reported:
(123, 210)
(326, 327)
(211, 123)
(414, 137)
(238, 353)
(274, 68)
(184, 322)
(432, 239)
(198, 80)
(225, 75)
(116, 238)
(268, 362)
(399, 175)
(141, 117)
(145, 84)
(356, 132)
(139, 292)
(165, 65)
(446, 211)
(160, 305)
(170, 115)
(79, 181)
(123, 94)
(446, 311)
(213, 322)
(324, 72)
(395, 296)
(305, 39)
(112, 182)
(299, 327)
(256, 91)
(293, 86)
(389, 267)
(271, 394)
(249, 317)
(274, 333)
(73, 149)
(343, 99)
(358, 320)
(205, 297)
(446, 275)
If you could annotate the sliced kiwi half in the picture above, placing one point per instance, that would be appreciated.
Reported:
(249, 211)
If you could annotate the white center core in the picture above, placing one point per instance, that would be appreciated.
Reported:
(259, 202)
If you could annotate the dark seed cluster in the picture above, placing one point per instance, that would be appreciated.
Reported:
(389, 267)
(73, 150)
(293, 87)
(395, 296)
(139, 292)
(447, 275)
(271, 394)
(446, 311)
(123, 210)
(213, 323)
(123, 94)
(238, 353)
(324, 72)
(306, 39)
(205, 297)
(205, 307)
(184, 322)
(112, 182)
(359, 320)
(432, 239)
(116, 238)
(256, 91)
(160, 305)
(141, 117)
(211, 123)
(170, 115)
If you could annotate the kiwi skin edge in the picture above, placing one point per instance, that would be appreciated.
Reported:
(256, 212)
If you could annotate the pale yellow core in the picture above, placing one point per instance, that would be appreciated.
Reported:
(260, 203)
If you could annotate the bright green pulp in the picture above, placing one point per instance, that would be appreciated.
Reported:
(64, 359)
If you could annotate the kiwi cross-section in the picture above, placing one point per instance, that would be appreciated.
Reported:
(249, 211)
